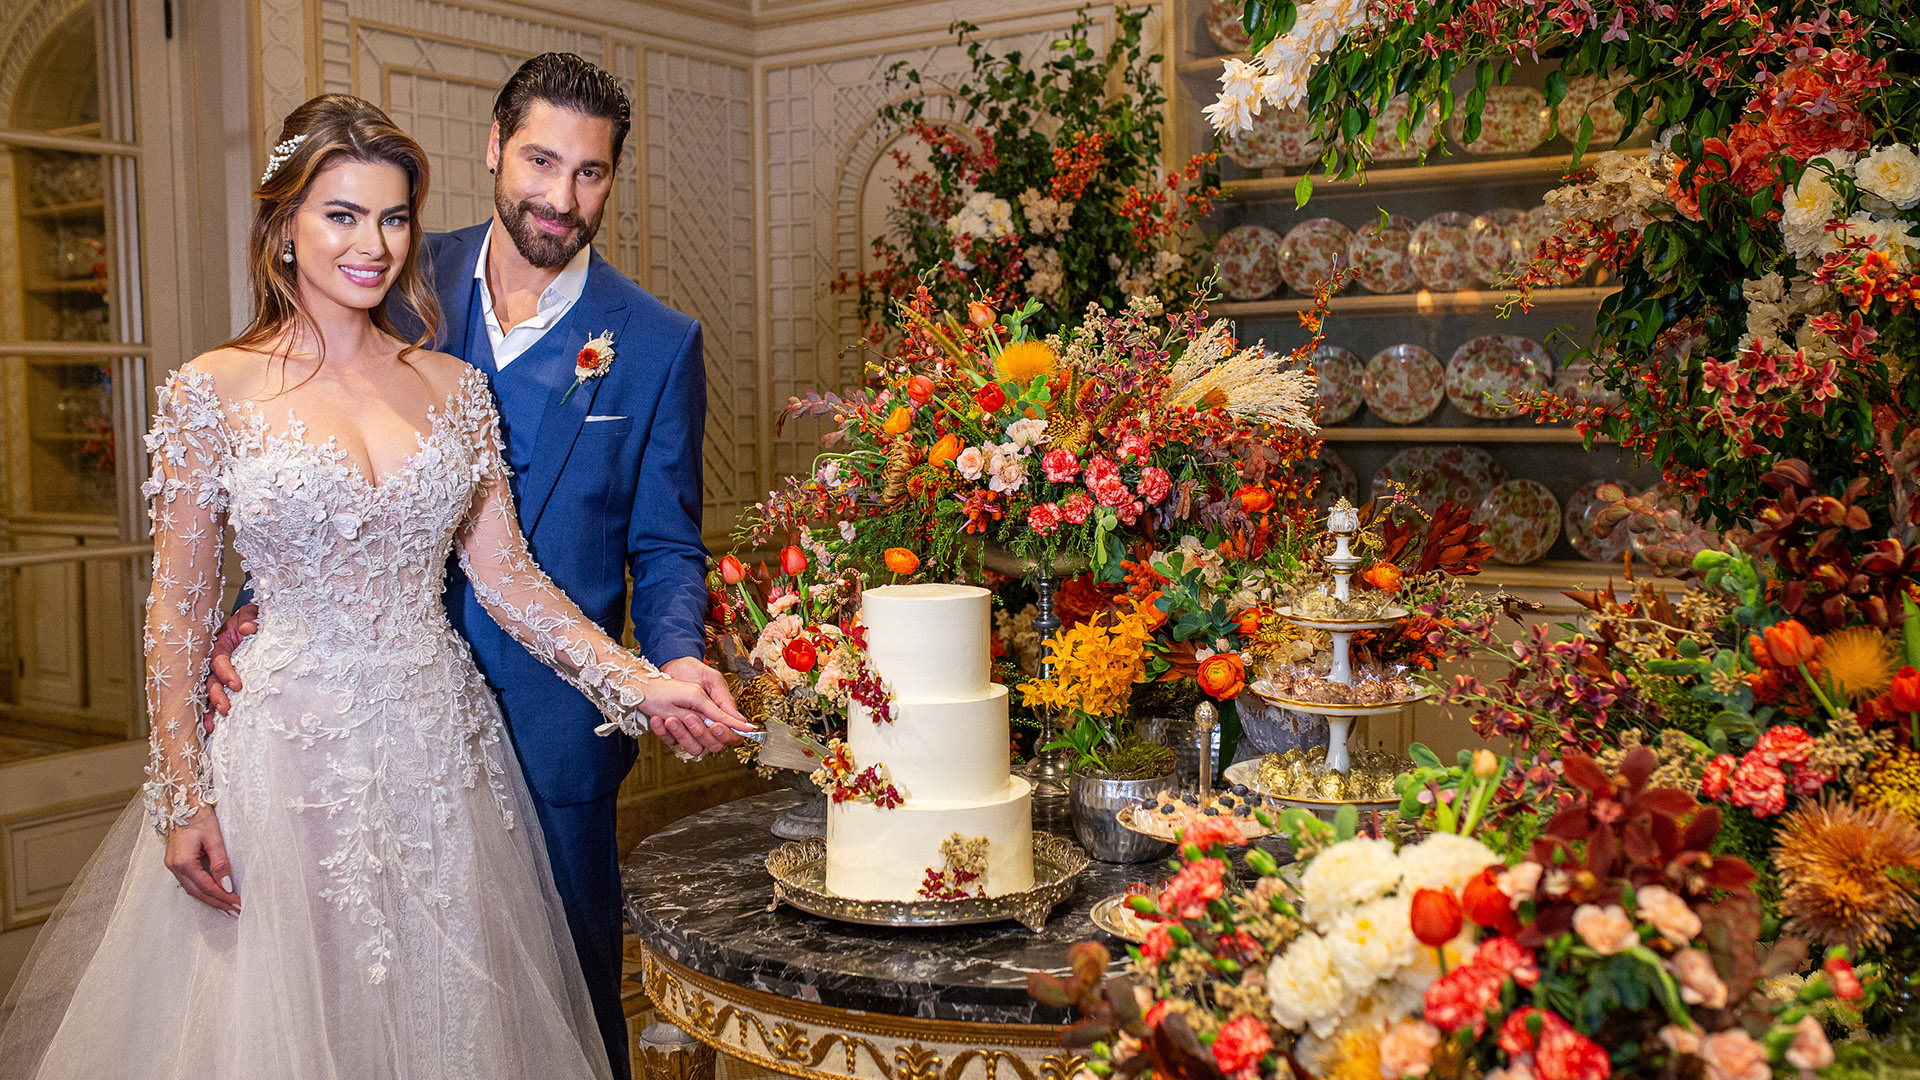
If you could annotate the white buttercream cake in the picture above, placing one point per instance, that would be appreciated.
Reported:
(945, 751)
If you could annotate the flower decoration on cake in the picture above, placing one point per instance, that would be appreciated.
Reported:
(962, 872)
(844, 781)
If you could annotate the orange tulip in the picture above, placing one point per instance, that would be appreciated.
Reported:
(1383, 575)
(945, 450)
(920, 389)
(901, 561)
(979, 314)
(1906, 689)
(793, 561)
(1223, 676)
(899, 421)
(1790, 644)
(731, 571)
(1436, 916)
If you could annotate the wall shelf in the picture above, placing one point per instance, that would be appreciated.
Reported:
(1424, 302)
(93, 207)
(1548, 169)
(1531, 433)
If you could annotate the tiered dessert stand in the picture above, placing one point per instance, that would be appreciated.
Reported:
(1343, 522)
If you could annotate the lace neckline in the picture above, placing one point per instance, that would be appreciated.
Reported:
(331, 454)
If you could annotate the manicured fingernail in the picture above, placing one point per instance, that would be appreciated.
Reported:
(227, 883)
(231, 913)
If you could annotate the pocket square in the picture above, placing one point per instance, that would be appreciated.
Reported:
(597, 419)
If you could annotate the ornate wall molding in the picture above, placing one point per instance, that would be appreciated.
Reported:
(25, 27)
(816, 1042)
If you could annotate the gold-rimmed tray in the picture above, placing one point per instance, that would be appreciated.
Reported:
(1108, 916)
(1129, 818)
(1248, 773)
(1386, 618)
(799, 870)
(1320, 708)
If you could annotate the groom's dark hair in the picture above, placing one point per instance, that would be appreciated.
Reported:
(566, 81)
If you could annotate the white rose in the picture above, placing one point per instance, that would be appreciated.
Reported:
(1891, 172)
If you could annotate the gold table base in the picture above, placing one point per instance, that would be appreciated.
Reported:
(817, 1042)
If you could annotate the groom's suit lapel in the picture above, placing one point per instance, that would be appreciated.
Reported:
(601, 307)
(456, 283)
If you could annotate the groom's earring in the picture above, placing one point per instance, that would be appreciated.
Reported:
(286, 256)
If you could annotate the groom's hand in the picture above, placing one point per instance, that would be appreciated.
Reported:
(694, 734)
(222, 676)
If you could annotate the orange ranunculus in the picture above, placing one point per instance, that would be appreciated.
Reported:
(1254, 499)
(1382, 575)
(945, 450)
(793, 561)
(901, 561)
(898, 421)
(1437, 916)
(920, 389)
(1790, 644)
(1223, 676)
(731, 571)
(1905, 692)
(1248, 622)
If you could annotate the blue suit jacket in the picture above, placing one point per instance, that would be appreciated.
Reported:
(600, 501)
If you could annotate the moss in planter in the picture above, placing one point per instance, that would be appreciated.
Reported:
(1134, 760)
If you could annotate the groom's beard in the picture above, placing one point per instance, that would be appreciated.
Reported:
(543, 250)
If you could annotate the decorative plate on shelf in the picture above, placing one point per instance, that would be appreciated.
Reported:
(1581, 383)
(1437, 474)
(1522, 519)
(1342, 383)
(1404, 384)
(1223, 26)
(1249, 260)
(1582, 507)
(1386, 142)
(1494, 240)
(1488, 373)
(1514, 122)
(1280, 138)
(1441, 252)
(1312, 251)
(1592, 96)
(1380, 255)
(1336, 479)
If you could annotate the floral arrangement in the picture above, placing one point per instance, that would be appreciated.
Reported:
(1765, 247)
(1614, 943)
(1052, 190)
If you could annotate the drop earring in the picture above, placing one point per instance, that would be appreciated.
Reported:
(286, 256)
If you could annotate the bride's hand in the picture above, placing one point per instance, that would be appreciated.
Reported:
(197, 855)
(690, 721)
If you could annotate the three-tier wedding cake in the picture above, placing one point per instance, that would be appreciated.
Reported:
(963, 824)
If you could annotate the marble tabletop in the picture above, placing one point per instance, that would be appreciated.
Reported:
(699, 894)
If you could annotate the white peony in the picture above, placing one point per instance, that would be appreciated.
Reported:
(1305, 989)
(1372, 942)
(1347, 874)
(1443, 861)
(1891, 172)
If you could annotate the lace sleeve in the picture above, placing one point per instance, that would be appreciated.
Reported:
(525, 602)
(187, 500)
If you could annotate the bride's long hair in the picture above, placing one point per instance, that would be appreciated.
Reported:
(332, 127)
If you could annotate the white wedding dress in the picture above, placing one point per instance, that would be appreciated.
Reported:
(398, 915)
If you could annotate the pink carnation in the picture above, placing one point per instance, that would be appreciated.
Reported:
(1060, 465)
(1713, 783)
(1044, 518)
(1133, 446)
(1759, 786)
(1076, 508)
(1103, 480)
(1154, 484)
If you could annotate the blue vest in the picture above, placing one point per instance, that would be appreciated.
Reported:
(524, 387)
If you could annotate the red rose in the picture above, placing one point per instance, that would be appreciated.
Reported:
(793, 561)
(1509, 958)
(1436, 916)
(1241, 1044)
(1758, 786)
(800, 655)
(1060, 465)
(1486, 905)
(1154, 484)
(1840, 974)
(1461, 998)
(1905, 692)
(990, 398)
(1713, 782)
(1788, 742)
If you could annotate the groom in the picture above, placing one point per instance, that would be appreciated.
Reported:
(607, 477)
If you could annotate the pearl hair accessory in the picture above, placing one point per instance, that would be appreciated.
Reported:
(280, 155)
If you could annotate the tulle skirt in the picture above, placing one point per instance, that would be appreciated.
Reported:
(399, 918)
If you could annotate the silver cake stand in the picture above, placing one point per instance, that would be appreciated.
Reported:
(799, 872)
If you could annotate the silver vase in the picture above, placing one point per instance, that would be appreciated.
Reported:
(1181, 735)
(1096, 802)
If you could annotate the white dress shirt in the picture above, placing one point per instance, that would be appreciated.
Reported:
(556, 300)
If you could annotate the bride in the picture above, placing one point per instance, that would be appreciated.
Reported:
(352, 886)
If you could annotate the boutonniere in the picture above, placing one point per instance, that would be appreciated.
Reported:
(596, 356)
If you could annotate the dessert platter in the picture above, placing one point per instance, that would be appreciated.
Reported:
(926, 825)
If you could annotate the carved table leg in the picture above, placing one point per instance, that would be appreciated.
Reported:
(668, 1053)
